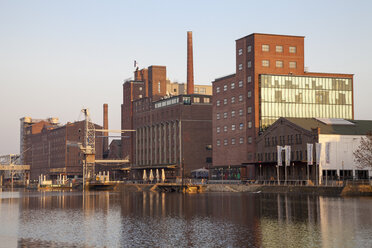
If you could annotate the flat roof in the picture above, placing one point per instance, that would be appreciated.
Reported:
(340, 75)
(341, 126)
(282, 35)
(223, 77)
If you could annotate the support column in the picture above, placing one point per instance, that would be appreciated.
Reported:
(180, 141)
(175, 141)
(143, 145)
(160, 143)
(136, 134)
(155, 145)
(147, 145)
(169, 143)
(165, 142)
(151, 140)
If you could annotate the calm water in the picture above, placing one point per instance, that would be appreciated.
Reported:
(146, 219)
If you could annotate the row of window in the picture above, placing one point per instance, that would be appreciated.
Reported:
(233, 127)
(295, 156)
(200, 90)
(232, 85)
(218, 102)
(241, 141)
(249, 111)
(273, 141)
(266, 63)
(240, 84)
(266, 48)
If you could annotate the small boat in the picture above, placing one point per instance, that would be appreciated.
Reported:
(101, 185)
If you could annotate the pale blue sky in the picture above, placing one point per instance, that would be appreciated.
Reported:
(59, 56)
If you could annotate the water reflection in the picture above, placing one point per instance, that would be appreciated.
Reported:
(148, 219)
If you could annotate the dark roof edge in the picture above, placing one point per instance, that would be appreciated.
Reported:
(282, 35)
(223, 77)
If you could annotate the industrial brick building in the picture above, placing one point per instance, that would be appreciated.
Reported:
(47, 147)
(173, 125)
(270, 82)
(31, 126)
(173, 131)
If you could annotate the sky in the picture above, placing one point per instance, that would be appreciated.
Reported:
(57, 57)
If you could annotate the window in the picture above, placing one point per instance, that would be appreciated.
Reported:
(225, 101)
(240, 51)
(279, 49)
(218, 116)
(249, 48)
(140, 96)
(249, 110)
(249, 65)
(232, 86)
(265, 63)
(202, 90)
(292, 49)
(233, 127)
(292, 64)
(279, 64)
(232, 141)
(233, 99)
(159, 87)
(249, 124)
(225, 87)
(249, 140)
(240, 112)
(196, 90)
(249, 94)
(196, 99)
(240, 83)
(218, 129)
(140, 88)
(218, 142)
(265, 48)
(217, 89)
(225, 128)
(240, 67)
(249, 79)
(206, 100)
(240, 98)
(225, 115)
(241, 140)
(218, 103)
(225, 142)
(241, 125)
(233, 113)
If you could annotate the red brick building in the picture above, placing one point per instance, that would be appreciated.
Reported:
(270, 82)
(172, 133)
(146, 108)
(50, 153)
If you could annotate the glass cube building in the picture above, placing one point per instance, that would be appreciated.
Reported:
(304, 97)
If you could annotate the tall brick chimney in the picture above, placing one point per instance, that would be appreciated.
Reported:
(190, 65)
(105, 126)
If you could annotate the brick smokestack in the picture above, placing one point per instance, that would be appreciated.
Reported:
(105, 126)
(190, 65)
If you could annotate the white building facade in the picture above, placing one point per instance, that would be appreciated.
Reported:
(337, 158)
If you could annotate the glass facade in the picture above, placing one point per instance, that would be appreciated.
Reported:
(304, 97)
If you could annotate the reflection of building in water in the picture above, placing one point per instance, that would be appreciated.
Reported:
(290, 220)
(340, 220)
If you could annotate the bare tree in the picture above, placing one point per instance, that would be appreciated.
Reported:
(363, 154)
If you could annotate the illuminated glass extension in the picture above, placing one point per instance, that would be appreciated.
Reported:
(304, 97)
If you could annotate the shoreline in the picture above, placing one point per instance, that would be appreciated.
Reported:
(349, 190)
